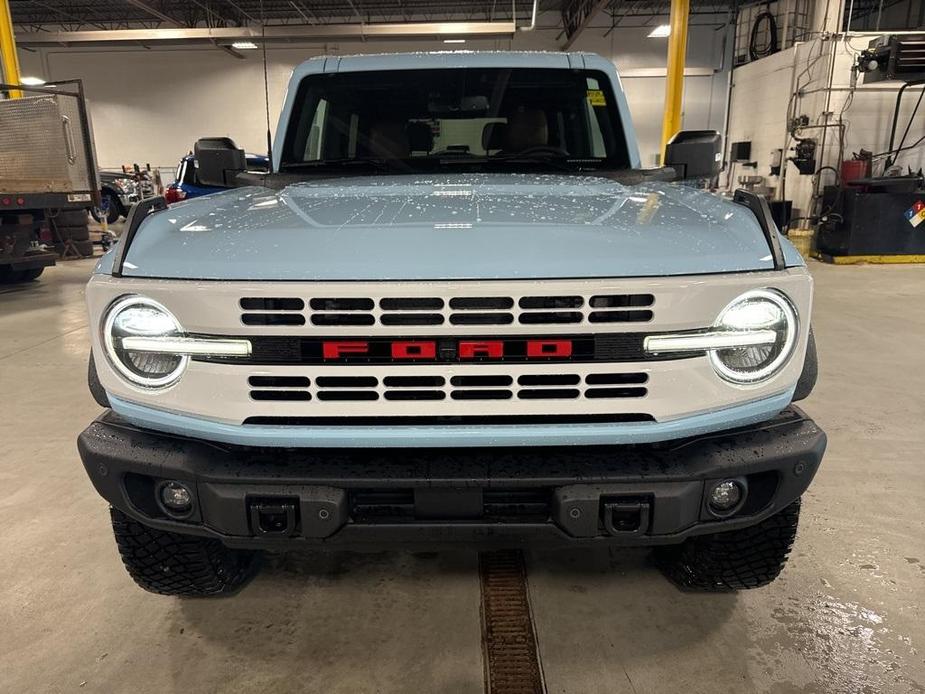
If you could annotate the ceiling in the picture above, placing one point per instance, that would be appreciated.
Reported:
(84, 15)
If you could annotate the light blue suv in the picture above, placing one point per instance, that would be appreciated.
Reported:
(457, 312)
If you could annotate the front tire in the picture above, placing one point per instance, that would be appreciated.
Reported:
(113, 208)
(734, 560)
(33, 274)
(172, 564)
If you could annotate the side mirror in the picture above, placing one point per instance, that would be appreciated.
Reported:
(218, 161)
(695, 154)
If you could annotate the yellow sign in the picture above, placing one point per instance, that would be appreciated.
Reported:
(596, 97)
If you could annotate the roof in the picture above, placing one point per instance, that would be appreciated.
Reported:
(451, 59)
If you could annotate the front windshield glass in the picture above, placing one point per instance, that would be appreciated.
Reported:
(476, 118)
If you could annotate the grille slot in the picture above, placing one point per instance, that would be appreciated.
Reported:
(346, 381)
(286, 395)
(342, 319)
(486, 394)
(257, 303)
(415, 395)
(549, 380)
(279, 381)
(547, 317)
(517, 503)
(272, 319)
(616, 393)
(411, 319)
(615, 379)
(481, 303)
(621, 300)
(345, 395)
(551, 302)
(413, 381)
(482, 318)
(548, 394)
(620, 316)
(481, 381)
(348, 304)
(411, 304)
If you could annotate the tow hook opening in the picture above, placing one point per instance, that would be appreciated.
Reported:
(624, 516)
(277, 518)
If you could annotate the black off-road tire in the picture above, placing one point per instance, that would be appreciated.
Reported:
(71, 218)
(734, 560)
(74, 233)
(33, 274)
(173, 564)
(84, 248)
(9, 276)
(113, 209)
(810, 370)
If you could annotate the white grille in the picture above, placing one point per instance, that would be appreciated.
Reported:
(417, 311)
(487, 384)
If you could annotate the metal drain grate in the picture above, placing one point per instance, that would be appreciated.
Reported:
(512, 663)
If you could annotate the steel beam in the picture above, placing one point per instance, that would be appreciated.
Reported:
(9, 61)
(289, 32)
(674, 84)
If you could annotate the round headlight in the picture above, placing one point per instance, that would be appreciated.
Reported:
(137, 316)
(764, 310)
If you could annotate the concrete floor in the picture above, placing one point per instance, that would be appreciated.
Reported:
(846, 616)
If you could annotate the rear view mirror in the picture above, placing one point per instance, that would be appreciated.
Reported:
(218, 161)
(695, 154)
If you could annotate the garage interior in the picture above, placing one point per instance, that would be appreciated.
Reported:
(834, 143)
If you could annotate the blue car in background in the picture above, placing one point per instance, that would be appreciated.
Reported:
(187, 184)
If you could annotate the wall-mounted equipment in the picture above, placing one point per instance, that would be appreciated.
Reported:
(777, 157)
(804, 157)
(894, 57)
(740, 151)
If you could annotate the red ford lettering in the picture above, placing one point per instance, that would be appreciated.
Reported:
(561, 349)
(337, 350)
(470, 349)
(414, 350)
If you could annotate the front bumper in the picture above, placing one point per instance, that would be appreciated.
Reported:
(416, 498)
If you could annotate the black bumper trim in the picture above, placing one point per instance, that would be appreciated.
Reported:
(665, 483)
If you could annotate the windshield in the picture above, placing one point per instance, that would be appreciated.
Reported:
(478, 118)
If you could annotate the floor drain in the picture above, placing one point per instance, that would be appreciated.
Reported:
(512, 663)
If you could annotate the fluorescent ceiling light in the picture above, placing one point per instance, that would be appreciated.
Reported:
(31, 81)
(454, 40)
(244, 45)
(660, 32)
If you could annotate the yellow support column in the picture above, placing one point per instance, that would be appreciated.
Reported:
(674, 83)
(8, 60)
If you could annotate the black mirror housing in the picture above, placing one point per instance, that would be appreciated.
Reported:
(695, 154)
(218, 161)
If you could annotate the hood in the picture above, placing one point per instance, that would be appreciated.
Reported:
(481, 226)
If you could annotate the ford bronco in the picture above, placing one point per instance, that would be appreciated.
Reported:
(456, 312)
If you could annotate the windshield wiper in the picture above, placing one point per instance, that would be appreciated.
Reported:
(346, 162)
(559, 162)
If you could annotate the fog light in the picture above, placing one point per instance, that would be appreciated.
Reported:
(725, 496)
(176, 497)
